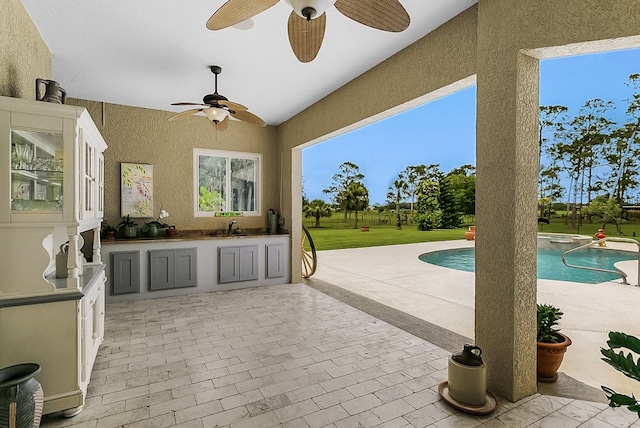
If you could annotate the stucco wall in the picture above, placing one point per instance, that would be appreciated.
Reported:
(510, 41)
(24, 56)
(145, 136)
(441, 59)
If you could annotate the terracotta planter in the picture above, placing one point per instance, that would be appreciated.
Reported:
(470, 234)
(550, 357)
(172, 231)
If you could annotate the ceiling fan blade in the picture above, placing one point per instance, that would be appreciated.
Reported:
(188, 104)
(185, 113)
(305, 36)
(232, 105)
(248, 117)
(386, 15)
(236, 11)
(221, 126)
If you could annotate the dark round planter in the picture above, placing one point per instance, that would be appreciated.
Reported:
(152, 231)
(21, 396)
(550, 357)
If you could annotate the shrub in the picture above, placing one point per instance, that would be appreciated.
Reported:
(429, 220)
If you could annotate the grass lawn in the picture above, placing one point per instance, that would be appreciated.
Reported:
(336, 238)
(335, 233)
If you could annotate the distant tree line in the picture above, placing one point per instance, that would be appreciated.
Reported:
(586, 159)
(589, 160)
(436, 200)
(441, 200)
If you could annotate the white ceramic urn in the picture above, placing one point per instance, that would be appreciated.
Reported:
(468, 377)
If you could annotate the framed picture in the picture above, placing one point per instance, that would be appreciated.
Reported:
(136, 190)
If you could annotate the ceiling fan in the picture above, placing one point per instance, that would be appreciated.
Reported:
(218, 108)
(307, 20)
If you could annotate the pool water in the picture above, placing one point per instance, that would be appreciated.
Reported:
(550, 264)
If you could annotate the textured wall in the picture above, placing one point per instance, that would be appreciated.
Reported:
(145, 136)
(440, 59)
(507, 163)
(23, 54)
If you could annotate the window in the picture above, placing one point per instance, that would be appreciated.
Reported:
(226, 181)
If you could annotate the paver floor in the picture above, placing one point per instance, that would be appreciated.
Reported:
(284, 356)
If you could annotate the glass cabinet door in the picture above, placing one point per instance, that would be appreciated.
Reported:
(36, 171)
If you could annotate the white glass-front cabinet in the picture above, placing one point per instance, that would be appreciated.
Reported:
(53, 190)
(51, 198)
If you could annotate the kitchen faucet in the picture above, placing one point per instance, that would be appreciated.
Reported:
(231, 223)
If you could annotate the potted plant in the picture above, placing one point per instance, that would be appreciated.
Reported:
(152, 228)
(108, 231)
(551, 343)
(171, 231)
(128, 228)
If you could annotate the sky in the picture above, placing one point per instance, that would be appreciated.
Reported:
(443, 131)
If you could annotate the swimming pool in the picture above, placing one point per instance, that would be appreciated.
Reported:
(550, 264)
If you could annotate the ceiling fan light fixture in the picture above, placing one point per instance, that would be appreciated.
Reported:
(310, 9)
(247, 24)
(216, 114)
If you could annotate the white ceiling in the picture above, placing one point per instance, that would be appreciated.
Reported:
(151, 53)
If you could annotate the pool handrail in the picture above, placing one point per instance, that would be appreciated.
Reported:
(600, 242)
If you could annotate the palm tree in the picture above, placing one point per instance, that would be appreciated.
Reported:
(357, 197)
(398, 191)
(412, 176)
(349, 172)
(317, 208)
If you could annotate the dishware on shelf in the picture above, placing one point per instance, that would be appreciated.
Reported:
(23, 156)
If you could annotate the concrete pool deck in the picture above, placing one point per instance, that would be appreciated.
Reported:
(394, 276)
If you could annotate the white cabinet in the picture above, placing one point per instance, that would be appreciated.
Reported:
(92, 327)
(54, 190)
(51, 191)
(62, 333)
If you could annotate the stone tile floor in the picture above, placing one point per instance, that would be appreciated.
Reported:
(285, 356)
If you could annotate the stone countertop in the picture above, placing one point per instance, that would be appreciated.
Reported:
(196, 235)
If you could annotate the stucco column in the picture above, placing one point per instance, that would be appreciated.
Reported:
(292, 206)
(507, 168)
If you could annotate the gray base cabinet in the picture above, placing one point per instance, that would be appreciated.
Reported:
(275, 261)
(237, 264)
(125, 272)
(230, 263)
(173, 268)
